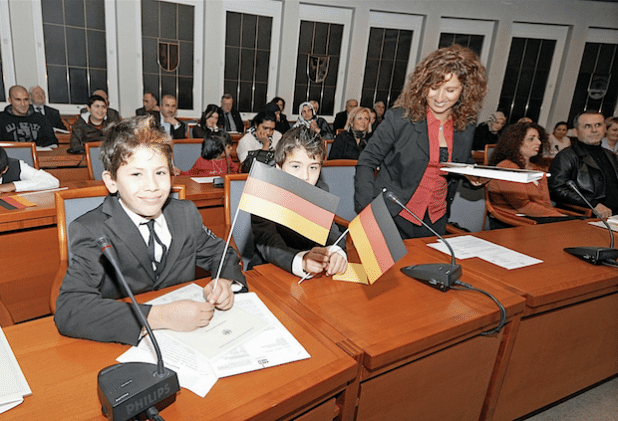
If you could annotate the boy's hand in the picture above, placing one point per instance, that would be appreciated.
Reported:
(337, 264)
(223, 297)
(316, 260)
(182, 315)
(262, 136)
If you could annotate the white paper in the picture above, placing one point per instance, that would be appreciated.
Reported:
(10, 405)
(203, 180)
(13, 384)
(516, 175)
(467, 246)
(613, 224)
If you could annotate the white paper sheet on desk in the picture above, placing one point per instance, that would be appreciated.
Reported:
(467, 246)
(613, 224)
(13, 384)
(203, 180)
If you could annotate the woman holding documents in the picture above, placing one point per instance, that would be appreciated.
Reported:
(521, 146)
(431, 122)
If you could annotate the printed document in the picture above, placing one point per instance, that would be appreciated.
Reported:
(13, 386)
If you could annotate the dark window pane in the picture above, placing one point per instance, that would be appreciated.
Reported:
(96, 49)
(539, 84)
(606, 57)
(245, 96)
(55, 45)
(531, 53)
(476, 44)
(150, 18)
(546, 54)
(168, 24)
(375, 43)
(327, 107)
(185, 67)
(74, 13)
(265, 24)
(76, 47)
(320, 39)
(57, 84)
(151, 84)
(150, 56)
(95, 14)
(305, 40)
(371, 74)
(231, 63)
(230, 87)
(524, 83)
(259, 96)
(510, 82)
(98, 80)
(185, 93)
(249, 25)
(301, 70)
(403, 48)
(591, 50)
(391, 38)
(462, 39)
(261, 66)
(516, 52)
(333, 68)
(185, 22)
(386, 72)
(300, 95)
(79, 85)
(232, 29)
(52, 11)
(315, 91)
(168, 85)
(399, 76)
(534, 109)
(247, 65)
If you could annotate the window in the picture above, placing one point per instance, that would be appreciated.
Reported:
(473, 42)
(597, 83)
(247, 59)
(531, 72)
(75, 49)
(474, 34)
(168, 50)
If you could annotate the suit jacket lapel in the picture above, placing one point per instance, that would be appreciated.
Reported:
(423, 137)
(127, 233)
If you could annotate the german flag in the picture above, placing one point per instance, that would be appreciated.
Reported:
(376, 239)
(282, 198)
(15, 202)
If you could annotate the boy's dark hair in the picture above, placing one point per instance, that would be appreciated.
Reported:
(93, 98)
(124, 137)
(214, 144)
(304, 137)
(4, 160)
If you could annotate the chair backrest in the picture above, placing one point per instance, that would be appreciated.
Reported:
(93, 160)
(329, 145)
(70, 205)
(507, 218)
(242, 233)
(339, 175)
(468, 209)
(489, 149)
(26, 151)
(186, 152)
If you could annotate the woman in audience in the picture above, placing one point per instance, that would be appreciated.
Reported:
(215, 159)
(349, 143)
(558, 140)
(431, 122)
(88, 126)
(520, 147)
(610, 141)
(276, 107)
(260, 136)
(207, 123)
(307, 116)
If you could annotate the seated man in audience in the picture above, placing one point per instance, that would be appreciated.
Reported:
(168, 121)
(16, 175)
(379, 109)
(88, 126)
(157, 240)
(229, 117)
(19, 122)
(342, 118)
(37, 98)
(301, 152)
(488, 133)
(593, 168)
(151, 105)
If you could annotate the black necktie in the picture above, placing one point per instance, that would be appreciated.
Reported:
(228, 127)
(151, 246)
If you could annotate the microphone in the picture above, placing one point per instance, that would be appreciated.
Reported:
(129, 389)
(437, 275)
(595, 255)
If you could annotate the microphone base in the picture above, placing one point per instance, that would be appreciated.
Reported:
(594, 255)
(437, 275)
(128, 389)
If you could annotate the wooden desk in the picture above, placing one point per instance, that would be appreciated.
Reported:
(29, 236)
(62, 373)
(568, 337)
(421, 353)
(63, 165)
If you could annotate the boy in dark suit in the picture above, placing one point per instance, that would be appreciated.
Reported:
(158, 242)
(300, 152)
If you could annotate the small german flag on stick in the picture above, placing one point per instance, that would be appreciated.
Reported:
(376, 239)
(282, 198)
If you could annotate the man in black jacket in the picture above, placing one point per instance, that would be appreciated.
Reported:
(229, 117)
(593, 168)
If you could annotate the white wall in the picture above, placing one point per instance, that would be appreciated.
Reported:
(578, 16)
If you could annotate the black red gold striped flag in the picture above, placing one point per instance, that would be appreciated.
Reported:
(376, 239)
(282, 198)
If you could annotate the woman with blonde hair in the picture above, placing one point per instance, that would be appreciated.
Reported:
(350, 143)
(431, 122)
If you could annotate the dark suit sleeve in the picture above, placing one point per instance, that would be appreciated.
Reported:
(81, 310)
(78, 133)
(180, 132)
(562, 169)
(46, 136)
(54, 118)
(240, 125)
(270, 244)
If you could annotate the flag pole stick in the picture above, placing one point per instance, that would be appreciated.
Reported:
(227, 243)
(335, 243)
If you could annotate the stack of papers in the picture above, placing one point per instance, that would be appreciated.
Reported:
(13, 386)
(508, 174)
(468, 246)
(245, 338)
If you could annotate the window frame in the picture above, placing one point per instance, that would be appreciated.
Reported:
(470, 27)
(6, 38)
(111, 49)
(603, 36)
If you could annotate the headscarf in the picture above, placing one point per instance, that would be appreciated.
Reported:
(301, 121)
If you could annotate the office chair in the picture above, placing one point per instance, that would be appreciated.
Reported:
(186, 152)
(25, 151)
(339, 175)
(467, 211)
(93, 161)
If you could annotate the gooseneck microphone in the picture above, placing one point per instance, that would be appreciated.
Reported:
(595, 255)
(129, 389)
(437, 275)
